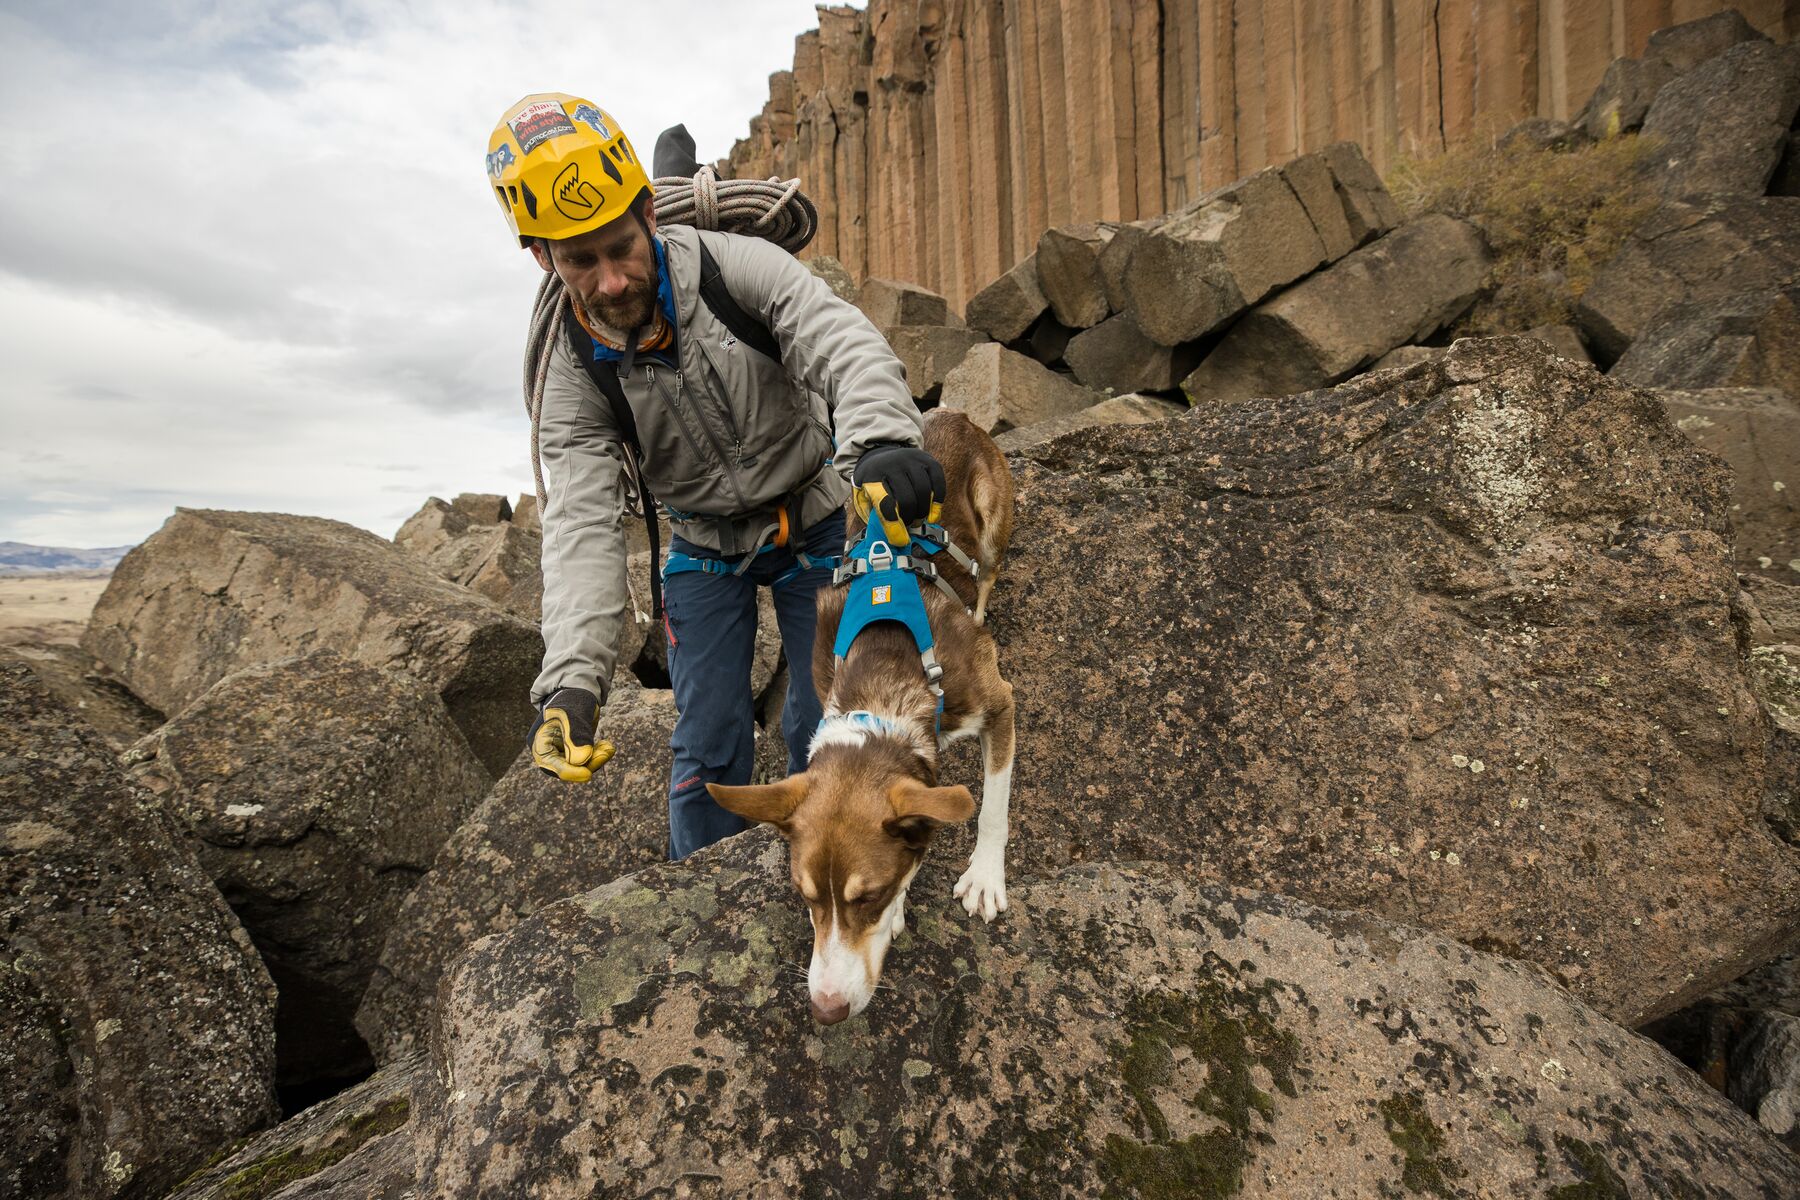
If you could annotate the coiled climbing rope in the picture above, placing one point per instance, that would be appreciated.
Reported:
(772, 209)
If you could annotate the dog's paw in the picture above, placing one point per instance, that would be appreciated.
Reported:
(982, 888)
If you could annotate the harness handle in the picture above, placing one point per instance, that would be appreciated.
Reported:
(872, 495)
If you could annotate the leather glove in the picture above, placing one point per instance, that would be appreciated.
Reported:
(913, 479)
(562, 739)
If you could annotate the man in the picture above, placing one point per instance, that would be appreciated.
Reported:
(732, 444)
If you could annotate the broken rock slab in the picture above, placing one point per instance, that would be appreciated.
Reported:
(1702, 252)
(1118, 1032)
(1722, 127)
(1396, 290)
(890, 303)
(1416, 605)
(1747, 340)
(1119, 410)
(1117, 357)
(315, 791)
(212, 592)
(533, 840)
(1630, 85)
(137, 1025)
(929, 353)
(1068, 271)
(1756, 431)
(1000, 390)
(1005, 308)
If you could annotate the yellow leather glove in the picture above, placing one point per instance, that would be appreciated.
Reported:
(562, 740)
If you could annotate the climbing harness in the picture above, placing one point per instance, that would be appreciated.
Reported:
(883, 571)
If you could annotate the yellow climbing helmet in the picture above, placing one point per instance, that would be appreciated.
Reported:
(560, 167)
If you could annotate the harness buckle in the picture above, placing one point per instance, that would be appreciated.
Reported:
(881, 556)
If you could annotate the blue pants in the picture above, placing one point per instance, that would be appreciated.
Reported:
(712, 635)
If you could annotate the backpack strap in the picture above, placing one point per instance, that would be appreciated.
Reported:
(606, 378)
(744, 327)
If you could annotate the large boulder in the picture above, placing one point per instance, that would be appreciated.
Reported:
(212, 592)
(137, 1027)
(1630, 85)
(102, 699)
(1005, 308)
(1119, 410)
(1757, 431)
(1068, 272)
(1396, 290)
(356, 1144)
(1117, 356)
(535, 839)
(889, 303)
(1000, 390)
(1454, 644)
(929, 353)
(316, 791)
(1722, 127)
(1703, 253)
(1119, 1032)
(1748, 340)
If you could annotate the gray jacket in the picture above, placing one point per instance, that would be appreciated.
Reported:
(731, 434)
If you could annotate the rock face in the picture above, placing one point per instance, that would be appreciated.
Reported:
(1395, 290)
(1757, 431)
(1001, 390)
(1382, 647)
(1723, 126)
(136, 1023)
(941, 140)
(1117, 356)
(356, 1144)
(1118, 1032)
(90, 689)
(485, 544)
(248, 588)
(535, 839)
(1068, 269)
(1747, 340)
(1702, 253)
(889, 303)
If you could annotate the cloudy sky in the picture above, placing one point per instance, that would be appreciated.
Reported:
(248, 257)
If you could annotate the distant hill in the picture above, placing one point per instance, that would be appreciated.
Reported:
(18, 558)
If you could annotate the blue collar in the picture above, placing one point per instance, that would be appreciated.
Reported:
(665, 299)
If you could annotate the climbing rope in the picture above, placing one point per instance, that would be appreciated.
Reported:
(772, 209)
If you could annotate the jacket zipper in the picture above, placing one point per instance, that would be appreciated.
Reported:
(737, 439)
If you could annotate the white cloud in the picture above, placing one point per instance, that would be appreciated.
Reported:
(248, 258)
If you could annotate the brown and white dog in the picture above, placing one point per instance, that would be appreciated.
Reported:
(859, 819)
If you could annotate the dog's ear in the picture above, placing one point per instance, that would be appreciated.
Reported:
(770, 802)
(919, 810)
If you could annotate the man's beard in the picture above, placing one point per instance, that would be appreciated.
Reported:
(636, 307)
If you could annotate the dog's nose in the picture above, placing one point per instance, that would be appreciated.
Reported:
(829, 1010)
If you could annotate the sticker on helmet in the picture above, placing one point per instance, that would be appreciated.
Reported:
(590, 116)
(538, 123)
(575, 197)
(499, 160)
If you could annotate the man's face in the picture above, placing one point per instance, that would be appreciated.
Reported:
(610, 270)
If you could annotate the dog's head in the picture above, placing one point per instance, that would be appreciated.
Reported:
(855, 839)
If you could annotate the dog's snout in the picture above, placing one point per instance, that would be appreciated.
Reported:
(829, 1010)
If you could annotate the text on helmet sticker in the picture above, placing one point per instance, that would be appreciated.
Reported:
(538, 123)
(590, 116)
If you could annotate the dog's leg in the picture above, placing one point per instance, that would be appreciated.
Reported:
(898, 925)
(983, 586)
(982, 887)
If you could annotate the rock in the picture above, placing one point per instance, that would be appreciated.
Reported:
(526, 515)
(1398, 289)
(1117, 356)
(316, 791)
(1543, 133)
(533, 840)
(1722, 127)
(930, 352)
(1564, 339)
(1775, 678)
(507, 570)
(1685, 46)
(1777, 616)
(212, 592)
(1750, 340)
(1047, 340)
(85, 685)
(652, 655)
(1765, 1074)
(355, 1144)
(1120, 1031)
(1203, 266)
(1623, 98)
(889, 303)
(1115, 256)
(1359, 626)
(836, 278)
(1368, 209)
(1001, 390)
(1068, 269)
(1406, 356)
(434, 526)
(1005, 308)
(1120, 410)
(128, 992)
(1756, 431)
(482, 508)
(1702, 253)
(1311, 178)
